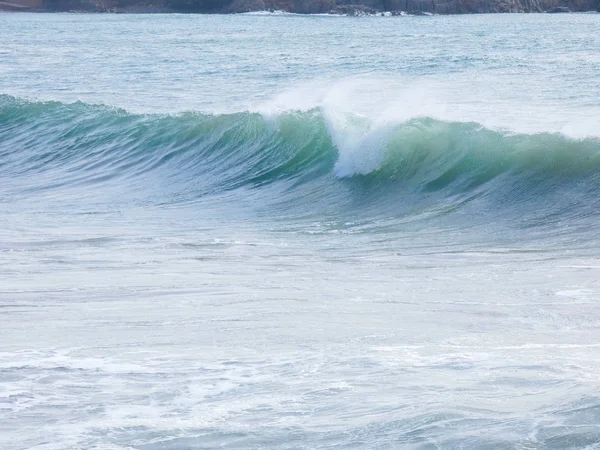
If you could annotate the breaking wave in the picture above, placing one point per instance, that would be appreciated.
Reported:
(291, 157)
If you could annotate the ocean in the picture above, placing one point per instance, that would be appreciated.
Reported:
(299, 232)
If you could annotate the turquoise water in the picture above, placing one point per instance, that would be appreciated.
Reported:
(279, 231)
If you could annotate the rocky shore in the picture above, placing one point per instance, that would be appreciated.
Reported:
(343, 7)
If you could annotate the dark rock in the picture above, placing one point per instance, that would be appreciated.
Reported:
(310, 6)
(346, 7)
(242, 6)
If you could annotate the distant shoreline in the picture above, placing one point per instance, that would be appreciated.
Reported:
(380, 8)
(150, 11)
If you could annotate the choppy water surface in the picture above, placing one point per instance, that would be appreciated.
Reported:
(299, 232)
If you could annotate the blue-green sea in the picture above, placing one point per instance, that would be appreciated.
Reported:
(274, 231)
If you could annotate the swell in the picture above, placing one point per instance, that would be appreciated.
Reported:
(292, 160)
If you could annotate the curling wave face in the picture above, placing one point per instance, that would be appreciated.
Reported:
(294, 161)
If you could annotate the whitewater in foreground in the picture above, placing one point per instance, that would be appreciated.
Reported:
(299, 232)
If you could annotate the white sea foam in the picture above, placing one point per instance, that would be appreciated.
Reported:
(387, 99)
(276, 12)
